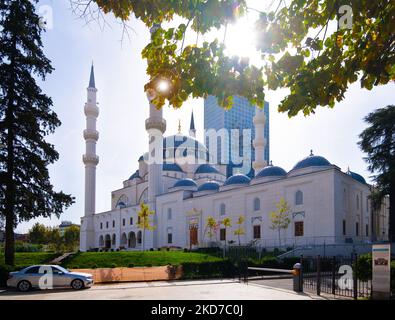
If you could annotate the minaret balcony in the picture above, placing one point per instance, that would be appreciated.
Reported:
(259, 143)
(91, 135)
(90, 159)
(91, 110)
(159, 124)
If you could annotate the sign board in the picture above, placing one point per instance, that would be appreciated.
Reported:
(381, 266)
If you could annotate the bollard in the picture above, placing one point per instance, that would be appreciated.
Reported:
(297, 274)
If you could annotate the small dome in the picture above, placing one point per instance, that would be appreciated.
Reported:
(185, 183)
(312, 161)
(206, 168)
(141, 158)
(271, 171)
(135, 175)
(209, 186)
(237, 179)
(356, 176)
(172, 167)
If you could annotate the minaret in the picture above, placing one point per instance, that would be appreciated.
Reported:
(259, 141)
(91, 160)
(192, 130)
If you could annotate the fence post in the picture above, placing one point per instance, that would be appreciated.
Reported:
(301, 272)
(318, 275)
(355, 278)
(333, 275)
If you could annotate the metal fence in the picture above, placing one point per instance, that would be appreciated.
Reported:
(334, 276)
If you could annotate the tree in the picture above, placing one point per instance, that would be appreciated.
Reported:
(55, 239)
(72, 237)
(280, 218)
(378, 141)
(227, 223)
(211, 227)
(26, 119)
(144, 221)
(38, 234)
(240, 230)
(315, 48)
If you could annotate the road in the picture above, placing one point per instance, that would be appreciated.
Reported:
(166, 290)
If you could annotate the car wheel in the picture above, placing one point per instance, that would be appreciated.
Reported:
(77, 284)
(24, 286)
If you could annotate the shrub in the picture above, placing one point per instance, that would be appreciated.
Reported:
(363, 267)
(149, 265)
(130, 265)
(201, 270)
(114, 265)
(95, 266)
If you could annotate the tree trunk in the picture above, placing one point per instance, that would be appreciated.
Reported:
(279, 239)
(391, 232)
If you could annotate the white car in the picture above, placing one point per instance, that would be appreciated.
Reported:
(48, 277)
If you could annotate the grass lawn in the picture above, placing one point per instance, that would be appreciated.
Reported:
(24, 259)
(135, 259)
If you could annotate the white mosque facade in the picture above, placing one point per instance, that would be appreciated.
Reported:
(326, 205)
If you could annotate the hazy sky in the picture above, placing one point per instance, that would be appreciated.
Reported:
(120, 77)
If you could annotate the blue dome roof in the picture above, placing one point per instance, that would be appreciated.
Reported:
(312, 161)
(209, 186)
(237, 179)
(185, 183)
(356, 176)
(135, 175)
(206, 168)
(271, 171)
(172, 167)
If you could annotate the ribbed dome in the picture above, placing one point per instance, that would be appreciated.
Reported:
(185, 183)
(356, 176)
(185, 144)
(206, 168)
(312, 161)
(171, 167)
(237, 179)
(135, 175)
(271, 171)
(209, 186)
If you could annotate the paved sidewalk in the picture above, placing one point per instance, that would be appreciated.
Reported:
(164, 290)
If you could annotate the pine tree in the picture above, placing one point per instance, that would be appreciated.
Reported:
(378, 141)
(26, 119)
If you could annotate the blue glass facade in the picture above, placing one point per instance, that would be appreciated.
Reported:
(239, 117)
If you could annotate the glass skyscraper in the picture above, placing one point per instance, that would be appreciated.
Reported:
(239, 142)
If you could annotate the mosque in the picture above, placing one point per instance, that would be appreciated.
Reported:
(184, 188)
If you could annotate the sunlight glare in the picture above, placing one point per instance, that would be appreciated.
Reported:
(241, 39)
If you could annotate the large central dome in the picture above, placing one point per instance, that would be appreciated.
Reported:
(178, 145)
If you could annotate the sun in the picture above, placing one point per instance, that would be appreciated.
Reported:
(241, 39)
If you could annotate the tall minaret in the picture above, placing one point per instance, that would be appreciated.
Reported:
(259, 141)
(155, 125)
(91, 160)
(192, 130)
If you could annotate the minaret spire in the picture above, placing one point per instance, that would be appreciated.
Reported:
(192, 130)
(92, 78)
(91, 160)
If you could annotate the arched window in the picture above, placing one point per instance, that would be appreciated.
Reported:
(124, 239)
(298, 197)
(113, 239)
(139, 237)
(144, 196)
(101, 241)
(257, 204)
(222, 209)
(122, 202)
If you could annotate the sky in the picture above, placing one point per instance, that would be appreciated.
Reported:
(72, 44)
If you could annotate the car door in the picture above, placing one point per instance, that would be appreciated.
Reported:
(60, 279)
(33, 276)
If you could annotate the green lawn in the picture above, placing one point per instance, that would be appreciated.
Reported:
(24, 259)
(135, 258)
